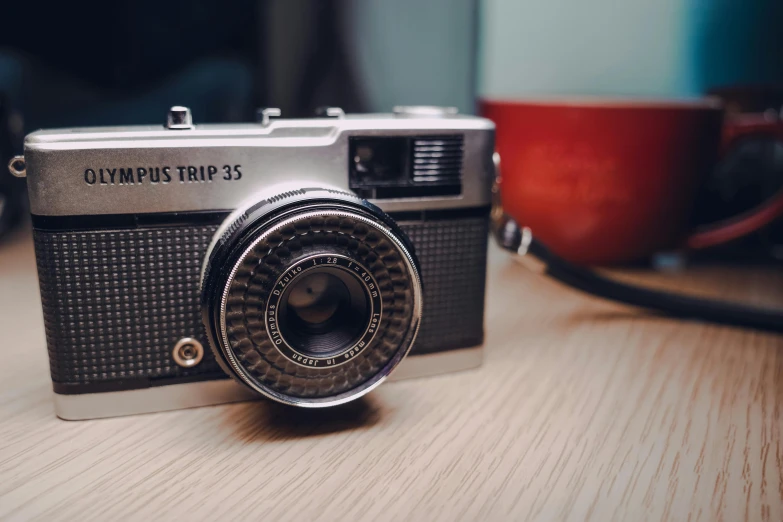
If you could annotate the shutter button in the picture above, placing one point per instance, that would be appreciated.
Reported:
(179, 118)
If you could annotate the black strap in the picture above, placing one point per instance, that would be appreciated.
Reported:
(510, 237)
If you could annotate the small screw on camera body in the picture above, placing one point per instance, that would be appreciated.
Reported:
(188, 352)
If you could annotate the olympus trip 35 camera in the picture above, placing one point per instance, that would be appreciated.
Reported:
(299, 260)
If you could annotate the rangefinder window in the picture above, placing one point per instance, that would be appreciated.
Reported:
(379, 162)
(406, 167)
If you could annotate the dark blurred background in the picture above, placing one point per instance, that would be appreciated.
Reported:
(125, 62)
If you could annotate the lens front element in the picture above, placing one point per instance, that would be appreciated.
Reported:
(324, 310)
(316, 300)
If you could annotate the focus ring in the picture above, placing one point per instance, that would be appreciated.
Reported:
(236, 225)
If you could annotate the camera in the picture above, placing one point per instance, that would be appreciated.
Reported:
(299, 260)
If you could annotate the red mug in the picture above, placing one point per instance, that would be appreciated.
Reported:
(612, 181)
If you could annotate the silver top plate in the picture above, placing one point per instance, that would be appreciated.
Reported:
(86, 171)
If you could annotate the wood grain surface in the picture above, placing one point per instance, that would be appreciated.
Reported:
(582, 411)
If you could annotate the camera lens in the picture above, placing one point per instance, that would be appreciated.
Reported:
(311, 297)
(323, 312)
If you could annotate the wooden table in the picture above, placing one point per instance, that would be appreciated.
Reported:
(582, 411)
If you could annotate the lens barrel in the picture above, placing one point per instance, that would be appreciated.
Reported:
(311, 297)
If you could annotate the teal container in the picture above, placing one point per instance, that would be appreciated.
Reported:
(639, 48)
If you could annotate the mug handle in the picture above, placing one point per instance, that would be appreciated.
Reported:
(743, 224)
